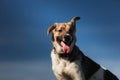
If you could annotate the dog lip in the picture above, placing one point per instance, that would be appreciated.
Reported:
(67, 42)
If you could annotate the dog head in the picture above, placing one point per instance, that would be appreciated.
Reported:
(63, 36)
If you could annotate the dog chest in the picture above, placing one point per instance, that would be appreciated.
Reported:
(62, 65)
(65, 68)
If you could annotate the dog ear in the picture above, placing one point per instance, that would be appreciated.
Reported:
(50, 29)
(73, 20)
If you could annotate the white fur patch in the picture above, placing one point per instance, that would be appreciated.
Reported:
(58, 47)
(99, 75)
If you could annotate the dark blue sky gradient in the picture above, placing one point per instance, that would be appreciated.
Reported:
(24, 23)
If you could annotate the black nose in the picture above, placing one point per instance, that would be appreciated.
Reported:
(67, 38)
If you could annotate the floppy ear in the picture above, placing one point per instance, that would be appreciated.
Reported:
(73, 20)
(50, 29)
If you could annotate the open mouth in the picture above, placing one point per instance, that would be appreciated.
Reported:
(64, 44)
(65, 47)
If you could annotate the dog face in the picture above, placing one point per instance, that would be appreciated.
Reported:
(63, 36)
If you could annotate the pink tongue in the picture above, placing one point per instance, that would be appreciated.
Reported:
(65, 47)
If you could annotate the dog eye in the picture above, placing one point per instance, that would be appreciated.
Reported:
(60, 30)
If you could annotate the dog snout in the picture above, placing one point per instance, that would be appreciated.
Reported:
(67, 38)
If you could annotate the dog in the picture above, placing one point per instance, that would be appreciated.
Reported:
(68, 61)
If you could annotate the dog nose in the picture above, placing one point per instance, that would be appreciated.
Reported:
(67, 38)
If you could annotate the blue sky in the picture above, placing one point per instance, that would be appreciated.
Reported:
(24, 23)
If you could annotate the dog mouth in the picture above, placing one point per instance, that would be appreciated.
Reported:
(65, 47)
(65, 43)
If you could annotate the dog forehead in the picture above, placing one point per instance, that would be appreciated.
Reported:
(63, 26)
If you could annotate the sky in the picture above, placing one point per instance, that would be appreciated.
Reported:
(24, 24)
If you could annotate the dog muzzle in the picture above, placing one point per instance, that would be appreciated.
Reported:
(65, 43)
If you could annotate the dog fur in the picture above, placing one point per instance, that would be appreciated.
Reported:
(68, 62)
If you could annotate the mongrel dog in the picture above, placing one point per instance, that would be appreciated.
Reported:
(68, 62)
